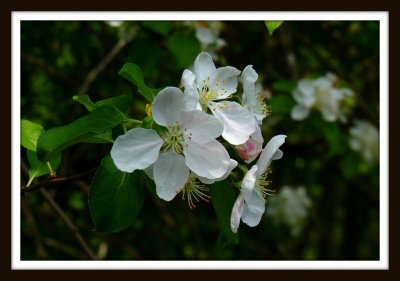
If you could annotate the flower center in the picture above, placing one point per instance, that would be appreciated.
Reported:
(206, 96)
(193, 190)
(263, 183)
(173, 139)
(261, 108)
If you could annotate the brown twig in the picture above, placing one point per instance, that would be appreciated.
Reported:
(64, 218)
(69, 224)
(54, 181)
(91, 76)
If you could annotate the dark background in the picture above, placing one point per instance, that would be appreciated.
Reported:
(343, 222)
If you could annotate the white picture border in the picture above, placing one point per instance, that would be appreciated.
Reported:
(382, 17)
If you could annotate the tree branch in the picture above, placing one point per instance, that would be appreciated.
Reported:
(91, 76)
(64, 218)
(54, 181)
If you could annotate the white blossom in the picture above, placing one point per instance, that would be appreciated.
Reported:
(208, 87)
(250, 204)
(187, 144)
(322, 95)
(364, 137)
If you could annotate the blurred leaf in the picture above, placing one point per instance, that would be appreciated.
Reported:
(57, 139)
(37, 168)
(115, 197)
(350, 165)
(223, 199)
(185, 48)
(85, 100)
(30, 133)
(331, 132)
(284, 86)
(272, 25)
(161, 27)
(133, 73)
(281, 104)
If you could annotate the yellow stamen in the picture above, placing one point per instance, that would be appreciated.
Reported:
(193, 190)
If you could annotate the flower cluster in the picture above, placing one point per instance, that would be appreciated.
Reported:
(322, 95)
(184, 152)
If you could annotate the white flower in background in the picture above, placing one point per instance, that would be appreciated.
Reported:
(188, 143)
(250, 204)
(114, 23)
(365, 139)
(320, 94)
(207, 86)
(208, 35)
(290, 207)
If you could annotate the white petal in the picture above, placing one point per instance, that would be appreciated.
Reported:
(238, 121)
(257, 135)
(191, 92)
(268, 153)
(205, 35)
(236, 214)
(253, 210)
(249, 182)
(232, 165)
(167, 105)
(204, 69)
(170, 175)
(210, 160)
(225, 82)
(249, 77)
(199, 126)
(149, 171)
(137, 149)
(278, 155)
(300, 112)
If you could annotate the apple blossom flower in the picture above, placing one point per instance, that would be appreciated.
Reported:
(250, 204)
(252, 97)
(207, 87)
(365, 139)
(255, 102)
(187, 144)
(194, 188)
(322, 95)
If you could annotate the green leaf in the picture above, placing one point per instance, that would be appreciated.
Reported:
(161, 27)
(30, 133)
(122, 102)
(185, 48)
(85, 100)
(115, 197)
(37, 168)
(57, 139)
(272, 25)
(100, 137)
(133, 73)
(223, 199)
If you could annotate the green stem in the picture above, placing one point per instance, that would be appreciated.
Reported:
(50, 168)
